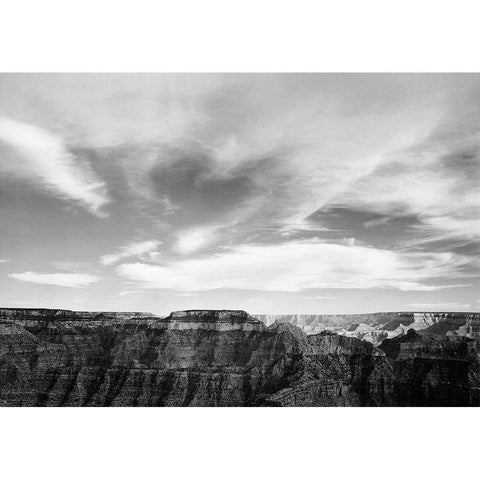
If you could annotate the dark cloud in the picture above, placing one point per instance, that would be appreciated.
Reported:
(468, 248)
(197, 188)
(463, 162)
(160, 190)
(366, 226)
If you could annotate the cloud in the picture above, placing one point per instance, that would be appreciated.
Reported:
(51, 163)
(4, 260)
(297, 266)
(72, 280)
(71, 266)
(282, 165)
(127, 292)
(197, 187)
(192, 240)
(441, 306)
(268, 150)
(436, 181)
(132, 250)
(376, 222)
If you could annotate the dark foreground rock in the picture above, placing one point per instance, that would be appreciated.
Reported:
(221, 358)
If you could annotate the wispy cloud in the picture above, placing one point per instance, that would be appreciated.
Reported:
(56, 168)
(127, 292)
(376, 222)
(192, 240)
(134, 249)
(71, 266)
(72, 280)
(437, 181)
(296, 266)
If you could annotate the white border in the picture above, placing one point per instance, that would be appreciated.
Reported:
(227, 36)
(238, 443)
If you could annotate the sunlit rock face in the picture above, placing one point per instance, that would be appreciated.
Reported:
(224, 358)
(376, 327)
(221, 320)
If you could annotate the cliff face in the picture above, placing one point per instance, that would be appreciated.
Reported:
(191, 358)
(221, 358)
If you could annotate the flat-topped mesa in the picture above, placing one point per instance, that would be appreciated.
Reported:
(212, 320)
(60, 318)
(211, 315)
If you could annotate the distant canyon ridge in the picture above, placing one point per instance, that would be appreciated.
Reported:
(53, 357)
(376, 327)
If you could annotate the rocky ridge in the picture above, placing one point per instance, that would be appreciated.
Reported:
(376, 327)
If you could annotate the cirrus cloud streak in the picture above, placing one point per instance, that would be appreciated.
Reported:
(298, 266)
(72, 280)
(131, 250)
(50, 162)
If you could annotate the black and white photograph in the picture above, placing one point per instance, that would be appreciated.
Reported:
(240, 239)
(220, 222)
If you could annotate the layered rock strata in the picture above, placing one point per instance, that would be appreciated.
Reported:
(222, 358)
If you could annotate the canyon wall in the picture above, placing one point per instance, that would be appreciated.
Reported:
(223, 358)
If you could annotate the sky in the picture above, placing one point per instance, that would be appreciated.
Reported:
(271, 193)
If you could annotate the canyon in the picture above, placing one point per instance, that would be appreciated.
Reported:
(376, 327)
(59, 357)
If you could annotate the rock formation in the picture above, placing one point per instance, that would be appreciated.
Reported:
(376, 327)
(224, 358)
